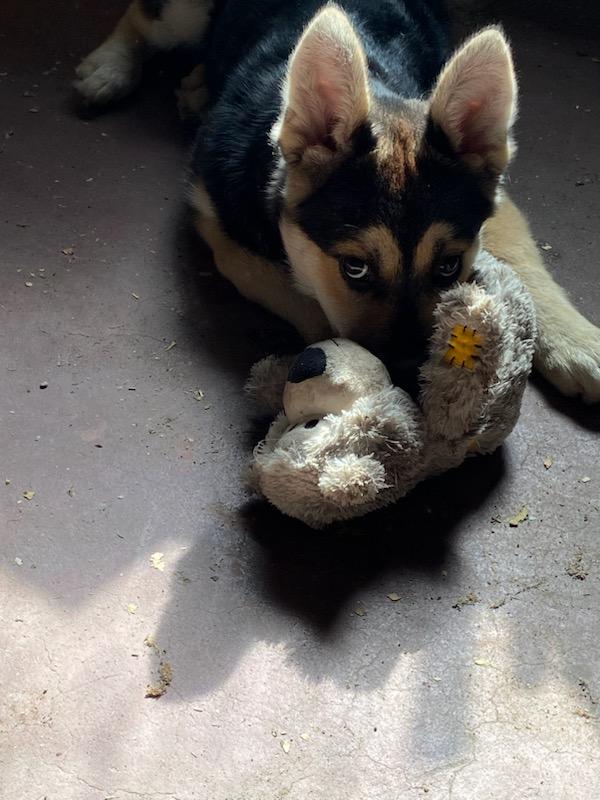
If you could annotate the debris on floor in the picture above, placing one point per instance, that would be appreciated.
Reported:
(519, 517)
(585, 690)
(576, 569)
(467, 600)
(29, 494)
(527, 588)
(165, 671)
(272, 684)
(157, 561)
(165, 676)
(482, 662)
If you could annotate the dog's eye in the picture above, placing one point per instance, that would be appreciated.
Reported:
(355, 268)
(447, 270)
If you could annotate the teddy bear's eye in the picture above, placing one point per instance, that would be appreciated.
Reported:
(312, 423)
(355, 268)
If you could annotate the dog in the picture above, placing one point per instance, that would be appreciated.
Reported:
(349, 165)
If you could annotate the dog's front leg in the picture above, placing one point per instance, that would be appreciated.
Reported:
(568, 349)
(257, 278)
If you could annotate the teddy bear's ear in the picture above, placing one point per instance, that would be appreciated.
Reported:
(291, 485)
(266, 382)
(352, 480)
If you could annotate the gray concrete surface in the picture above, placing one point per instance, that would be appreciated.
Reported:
(294, 675)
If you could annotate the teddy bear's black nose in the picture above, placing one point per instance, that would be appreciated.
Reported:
(311, 363)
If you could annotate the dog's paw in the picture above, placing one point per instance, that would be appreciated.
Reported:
(571, 361)
(192, 96)
(109, 73)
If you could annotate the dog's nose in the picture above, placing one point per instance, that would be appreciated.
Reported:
(311, 363)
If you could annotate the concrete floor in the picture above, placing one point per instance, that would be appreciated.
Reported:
(293, 674)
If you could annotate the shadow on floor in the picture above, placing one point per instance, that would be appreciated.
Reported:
(415, 536)
(275, 574)
(586, 417)
(272, 573)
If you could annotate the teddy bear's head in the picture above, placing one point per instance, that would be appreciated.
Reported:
(329, 377)
(335, 449)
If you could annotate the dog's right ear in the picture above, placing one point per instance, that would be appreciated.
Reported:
(326, 92)
(474, 102)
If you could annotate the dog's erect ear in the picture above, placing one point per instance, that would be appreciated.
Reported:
(475, 101)
(326, 93)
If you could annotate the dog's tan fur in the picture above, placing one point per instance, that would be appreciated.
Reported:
(439, 238)
(396, 151)
(568, 349)
(568, 353)
(256, 278)
(484, 61)
(114, 69)
(350, 315)
(376, 241)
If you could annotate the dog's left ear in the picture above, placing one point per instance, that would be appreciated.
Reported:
(474, 102)
(326, 93)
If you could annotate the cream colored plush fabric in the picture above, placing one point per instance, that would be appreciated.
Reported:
(349, 442)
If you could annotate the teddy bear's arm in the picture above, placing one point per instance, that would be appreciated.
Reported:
(467, 346)
(464, 347)
(266, 382)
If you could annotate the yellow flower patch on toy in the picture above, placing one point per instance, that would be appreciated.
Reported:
(464, 346)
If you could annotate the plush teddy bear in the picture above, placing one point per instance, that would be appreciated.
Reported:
(346, 441)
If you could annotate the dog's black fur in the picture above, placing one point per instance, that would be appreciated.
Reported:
(246, 51)
(338, 186)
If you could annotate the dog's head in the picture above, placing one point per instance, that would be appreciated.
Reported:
(383, 198)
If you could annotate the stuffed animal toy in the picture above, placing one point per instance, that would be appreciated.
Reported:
(346, 441)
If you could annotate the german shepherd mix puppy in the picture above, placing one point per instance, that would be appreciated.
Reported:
(349, 167)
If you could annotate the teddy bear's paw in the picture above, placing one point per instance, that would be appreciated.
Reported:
(352, 480)
(267, 380)
(464, 347)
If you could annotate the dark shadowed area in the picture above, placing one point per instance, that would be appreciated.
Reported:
(433, 650)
